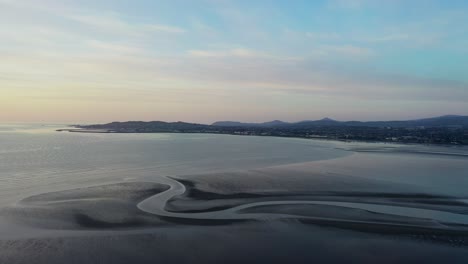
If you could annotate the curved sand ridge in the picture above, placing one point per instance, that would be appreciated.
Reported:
(156, 205)
(134, 206)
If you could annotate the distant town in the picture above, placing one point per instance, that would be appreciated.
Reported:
(448, 130)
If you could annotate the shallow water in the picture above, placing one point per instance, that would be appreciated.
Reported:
(418, 181)
(36, 159)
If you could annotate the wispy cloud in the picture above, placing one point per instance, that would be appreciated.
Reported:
(237, 52)
(225, 56)
(113, 23)
(323, 36)
(354, 4)
(347, 50)
(164, 28)
(106, 46)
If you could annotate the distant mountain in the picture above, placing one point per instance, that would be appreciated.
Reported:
(273, 123)
(322, 122)
(451, 130)
(153, 126)
(226, 126)
(441, 121)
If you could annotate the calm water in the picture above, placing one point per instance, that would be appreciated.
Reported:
(36, 159)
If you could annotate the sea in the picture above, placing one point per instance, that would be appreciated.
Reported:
(36, 159)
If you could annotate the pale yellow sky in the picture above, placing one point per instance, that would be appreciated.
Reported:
(68, 61)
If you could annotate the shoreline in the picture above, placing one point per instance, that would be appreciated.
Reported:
(148, 211)
(106, 131)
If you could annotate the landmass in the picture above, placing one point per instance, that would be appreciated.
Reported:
(448, 130)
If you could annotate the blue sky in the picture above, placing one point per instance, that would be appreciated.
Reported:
(208, 60)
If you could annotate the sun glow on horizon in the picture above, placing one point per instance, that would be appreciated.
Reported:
(69, 61)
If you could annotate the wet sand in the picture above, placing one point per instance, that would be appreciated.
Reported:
(354, 206)
(272, 215)
(278, 242)
(101, 207)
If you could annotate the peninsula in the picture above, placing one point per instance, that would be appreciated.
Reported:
(448, 129)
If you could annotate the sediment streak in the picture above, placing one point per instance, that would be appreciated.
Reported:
(156, 205)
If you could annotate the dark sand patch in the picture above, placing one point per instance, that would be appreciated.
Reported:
(332, 236)
(371, 222)
(201, 197)
(101, 207)
(280, 242)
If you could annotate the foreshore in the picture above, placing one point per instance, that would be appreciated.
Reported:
(85, 130)
(320, 138)
(305, 208)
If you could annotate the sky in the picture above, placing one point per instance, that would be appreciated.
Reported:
(201, 61)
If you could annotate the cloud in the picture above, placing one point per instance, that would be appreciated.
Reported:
(389, 38)
(220, 71)
(347, 50)
(164, 28)
(103, 46)
(360, 4)
(348, 4)
(237, 52)
(54, 53)
(112, 22)
(409, 38)
(323, 36)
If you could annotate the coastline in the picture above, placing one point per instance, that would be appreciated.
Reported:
(108, 131)
(304, 207)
